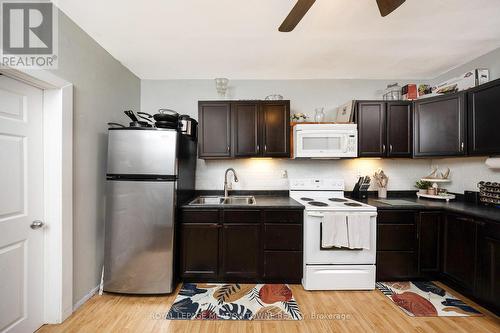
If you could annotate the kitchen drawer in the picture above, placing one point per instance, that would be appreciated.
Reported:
(284, 216)
(394, 266)
(283, 266)
(200, 216)
(396, 237)
(282, 236)
(396, 217)
(241, 216)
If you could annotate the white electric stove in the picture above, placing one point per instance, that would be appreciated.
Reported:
(333, 268)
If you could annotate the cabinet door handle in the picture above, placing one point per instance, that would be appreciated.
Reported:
(390, 148)
(228, 149)
(258, 148)
(265, 147)
(462, 146)
(383, 149)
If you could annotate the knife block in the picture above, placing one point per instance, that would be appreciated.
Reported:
(359, 193)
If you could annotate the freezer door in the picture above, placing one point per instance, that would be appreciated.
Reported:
(142, 152)
(139, 235)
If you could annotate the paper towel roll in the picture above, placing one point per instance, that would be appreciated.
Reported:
(493, 162)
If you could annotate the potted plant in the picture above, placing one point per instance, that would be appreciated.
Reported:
(422, 186)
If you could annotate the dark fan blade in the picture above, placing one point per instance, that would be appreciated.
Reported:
(388, 6)
(298, 11)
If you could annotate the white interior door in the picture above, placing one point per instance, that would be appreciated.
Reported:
(21, 203)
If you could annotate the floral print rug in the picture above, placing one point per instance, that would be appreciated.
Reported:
(205, 301)
(425, 299)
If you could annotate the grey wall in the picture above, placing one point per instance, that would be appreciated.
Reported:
(489, 60)
(305, 96)
(102, 89)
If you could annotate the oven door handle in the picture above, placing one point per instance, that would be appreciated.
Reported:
(315, 215)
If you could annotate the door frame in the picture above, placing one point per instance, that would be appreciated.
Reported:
(57, 126)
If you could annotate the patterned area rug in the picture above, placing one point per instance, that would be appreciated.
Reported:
(203, 301)
(425, 299)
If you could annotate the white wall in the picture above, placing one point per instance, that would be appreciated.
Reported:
(305, 96)
(102, 89)
(466, 172)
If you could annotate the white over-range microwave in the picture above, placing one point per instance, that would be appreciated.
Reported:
(325, 140)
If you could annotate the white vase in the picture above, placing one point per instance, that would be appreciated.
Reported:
(382, 192)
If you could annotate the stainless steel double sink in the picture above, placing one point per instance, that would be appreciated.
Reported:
(216, 200)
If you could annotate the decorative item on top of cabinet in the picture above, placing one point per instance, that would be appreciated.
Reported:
(233, 129)
(439, 126)
(484, 119)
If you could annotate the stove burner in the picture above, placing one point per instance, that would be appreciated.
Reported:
(353, 204)
(306, 199)
(318, 203)
(338, 199)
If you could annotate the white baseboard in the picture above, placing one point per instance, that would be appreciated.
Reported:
(85, 298)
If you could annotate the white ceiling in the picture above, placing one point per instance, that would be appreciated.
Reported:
(238, 39)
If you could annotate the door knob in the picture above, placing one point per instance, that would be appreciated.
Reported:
(37, 224)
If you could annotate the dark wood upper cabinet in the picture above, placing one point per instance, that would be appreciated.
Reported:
(244, 129)
(384, 128)
(276, 129)
(484, 119)
(439, 126)
(459, 250)
(215, 130)
(371, 127)
(399, 129)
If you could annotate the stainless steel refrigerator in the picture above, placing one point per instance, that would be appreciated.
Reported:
(149, 173)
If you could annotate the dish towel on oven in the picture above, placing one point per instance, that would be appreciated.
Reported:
(334, 231)
(358, 231)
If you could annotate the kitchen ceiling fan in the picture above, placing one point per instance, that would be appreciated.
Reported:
(302, 6)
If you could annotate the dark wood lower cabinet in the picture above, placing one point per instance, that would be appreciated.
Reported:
(397, 255)
(240, 251)
(241, 245)
(429, 233)
(488, 268)
(396, 265)
(459, 250)
(200, 250)
(283, 265)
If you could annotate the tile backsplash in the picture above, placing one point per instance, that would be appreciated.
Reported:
(466, 172)
(267, 174)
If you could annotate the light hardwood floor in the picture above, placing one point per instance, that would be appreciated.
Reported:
(367, 311)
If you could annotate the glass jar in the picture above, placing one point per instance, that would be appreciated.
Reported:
(392, 92)
(319, 115)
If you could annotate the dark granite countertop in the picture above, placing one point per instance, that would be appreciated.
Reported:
(261, 201)
(455, 206)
